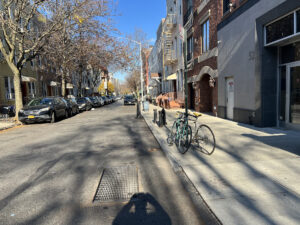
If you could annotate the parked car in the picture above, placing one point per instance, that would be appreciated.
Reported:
(73, 107)
(129, 100)
(105, 99)
(110, 100)
(84, 104)
(47, 109)
(95, 102)
(100, 100)
(8, 111)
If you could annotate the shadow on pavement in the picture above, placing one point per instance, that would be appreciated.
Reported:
(283, 142)
(142, 209)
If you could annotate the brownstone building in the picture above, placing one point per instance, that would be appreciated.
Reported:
(201, 18)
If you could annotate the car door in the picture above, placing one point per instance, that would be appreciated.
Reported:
(60, 107)
(56, 107)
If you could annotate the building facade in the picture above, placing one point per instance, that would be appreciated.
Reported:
(172, 50)
(259, 63)
(145, 57)
(200, 20)
(155, 62)
(29, 83)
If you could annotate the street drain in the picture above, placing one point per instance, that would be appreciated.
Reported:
(117, 184)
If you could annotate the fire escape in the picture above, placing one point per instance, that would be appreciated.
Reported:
(169, 52)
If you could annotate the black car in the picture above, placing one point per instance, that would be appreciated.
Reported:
(110, 100)
(47, 109)
(84, 104)
(95, 102)
(129, 100)
(73, 107)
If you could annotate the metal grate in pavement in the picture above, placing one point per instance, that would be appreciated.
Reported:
(117, 184)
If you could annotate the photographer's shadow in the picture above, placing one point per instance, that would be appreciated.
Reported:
(142, 209)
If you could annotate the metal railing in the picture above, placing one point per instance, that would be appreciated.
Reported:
(187, 15)
(170, 57)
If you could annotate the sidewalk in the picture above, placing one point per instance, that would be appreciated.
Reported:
(6, 124)
(251, 178)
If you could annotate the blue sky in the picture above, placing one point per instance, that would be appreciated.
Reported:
(141, 14)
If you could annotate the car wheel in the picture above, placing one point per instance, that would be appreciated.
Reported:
(53, 119)
(66, 114)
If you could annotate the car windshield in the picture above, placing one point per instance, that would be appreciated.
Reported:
(81, 100)
(93, 98)
(129, 97)
(40, 101)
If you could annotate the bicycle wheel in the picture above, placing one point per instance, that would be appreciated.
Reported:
(205, 139)
(185, 139)
(171, 135)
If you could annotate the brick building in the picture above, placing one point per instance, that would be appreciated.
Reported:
(145, 56)
(201, 18)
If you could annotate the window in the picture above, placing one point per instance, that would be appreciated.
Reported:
(226, 6)
(282, 94)
(175, 47)
(189, 48)
(32, 89)
(180, 47)
(44, 89)
(289, 53)
(205, 36)
(9, 88)
(298, 20)
(280, 29)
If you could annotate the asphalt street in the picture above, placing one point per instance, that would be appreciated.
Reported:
(49, 173)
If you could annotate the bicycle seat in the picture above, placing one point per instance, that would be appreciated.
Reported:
(197, 114)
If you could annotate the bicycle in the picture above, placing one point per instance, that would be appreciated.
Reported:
(181, 134)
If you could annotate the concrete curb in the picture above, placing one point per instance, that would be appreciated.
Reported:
(204, 210)
(6, 128)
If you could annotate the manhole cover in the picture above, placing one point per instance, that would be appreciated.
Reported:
(117, 184)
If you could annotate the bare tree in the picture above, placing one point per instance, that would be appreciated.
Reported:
(26, 26)
(133, 81)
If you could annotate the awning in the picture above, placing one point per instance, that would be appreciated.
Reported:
(172, 77)
(28, 79)
(69, 86)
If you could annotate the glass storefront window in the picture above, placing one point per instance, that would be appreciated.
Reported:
(290, 53)
(282, 93)
(298, 20)
(280, 29)
(295, 95)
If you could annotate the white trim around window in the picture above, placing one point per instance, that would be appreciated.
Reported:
(9, 88)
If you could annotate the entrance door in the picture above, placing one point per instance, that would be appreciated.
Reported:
(191, 96)
(229, 97)
(293, 107)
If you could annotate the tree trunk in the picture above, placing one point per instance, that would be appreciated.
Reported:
(80, 81)
(63, 85)
(17, 86)
(18, 93)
